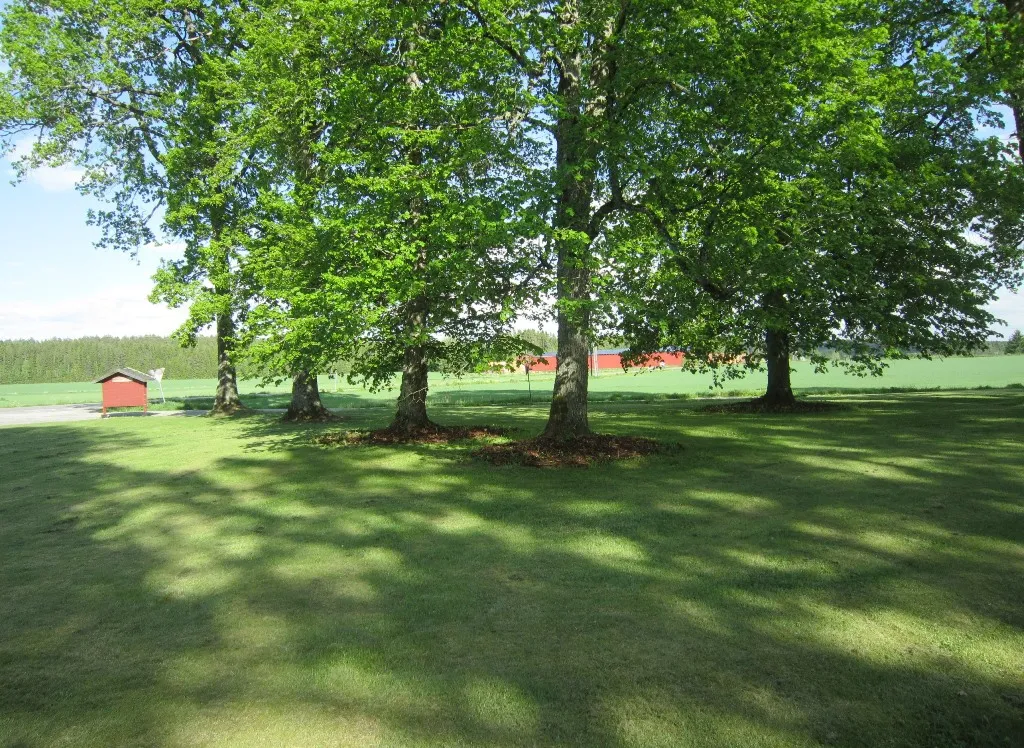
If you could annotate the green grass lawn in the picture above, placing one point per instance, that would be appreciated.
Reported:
(854, 578)
(951, 373)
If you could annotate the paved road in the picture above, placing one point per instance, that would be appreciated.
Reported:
(58, 413)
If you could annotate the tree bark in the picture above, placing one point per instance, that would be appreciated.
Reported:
(1018, 120)
(306, 405)
(780, 390)
(411, 415)
(226, 400)
(1016, 93)
(412, 399)
(568, 417)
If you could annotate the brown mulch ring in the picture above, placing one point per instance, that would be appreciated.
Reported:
(580, 452)
(432, 434)
(760, 406)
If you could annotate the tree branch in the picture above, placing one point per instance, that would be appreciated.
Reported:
(530, 68)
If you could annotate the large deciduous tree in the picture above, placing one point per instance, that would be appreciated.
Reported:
(574, 57)
(843, 211)
(394, 226)
(654, 110)
(130, 91)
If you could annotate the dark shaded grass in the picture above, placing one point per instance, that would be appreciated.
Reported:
(761, 407)
(497, 396)
(850, 578)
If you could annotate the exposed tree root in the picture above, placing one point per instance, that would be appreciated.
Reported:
(228, 409)
(318, 415)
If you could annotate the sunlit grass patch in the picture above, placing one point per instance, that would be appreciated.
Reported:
(852, 578)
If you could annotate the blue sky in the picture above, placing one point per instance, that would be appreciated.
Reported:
(54, 282)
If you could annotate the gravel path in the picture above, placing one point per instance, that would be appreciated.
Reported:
(59, 413)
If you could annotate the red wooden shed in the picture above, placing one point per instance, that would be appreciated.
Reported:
(123, 388)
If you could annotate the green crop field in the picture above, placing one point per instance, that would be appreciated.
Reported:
(952, 373)
(853, 578)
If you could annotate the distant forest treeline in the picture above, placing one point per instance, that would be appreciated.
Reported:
(85, 359)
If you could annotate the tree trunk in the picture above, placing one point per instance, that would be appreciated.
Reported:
(411, 415)
(1016, 94)
(305, 404)
(226, 400)
(412, 399)
(780, 391)
(1018, 120)
(568, 418)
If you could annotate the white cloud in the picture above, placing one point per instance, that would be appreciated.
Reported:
(48, 178)
(1009, 307)
(120, 311)
(163, 250)
(56, 179)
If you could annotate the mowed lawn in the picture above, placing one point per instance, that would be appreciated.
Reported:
(854, 579)
(950, 373)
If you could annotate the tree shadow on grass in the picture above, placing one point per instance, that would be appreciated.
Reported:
(800, 582)
(79, 625)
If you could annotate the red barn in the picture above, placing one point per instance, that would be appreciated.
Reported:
(123, 388)
(611, 358)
